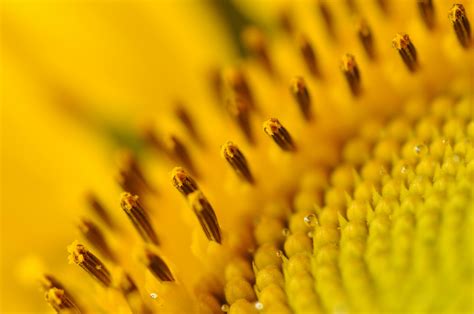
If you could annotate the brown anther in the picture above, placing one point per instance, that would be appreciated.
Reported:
(254, 40)
(461, 25)
(351, 71)
(239, 110)
(139, 217)
(301, 95)
(183, 182)
(151, 139)
(279, 134)
(92, 233)
(284, 19)
(426, 9)
(185, 117)
(158, 267)
(352, 6)
(178, 151)
(206, 216)
(130, 176)
(60, 301)
(383, 5)
(238, 84)
(49, 281)
(309, 57)
(99, 209)
(327, 17)
(79, 255)
(365, 37)
(407, 51)
(216, 84)
(237, 161)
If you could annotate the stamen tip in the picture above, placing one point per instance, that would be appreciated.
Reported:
(182, 181)
(461, 24)
(301, 95)
(400, 41)
(128, 201)
(76, 252)
(280, 135)
(350, 70)
(407, 51)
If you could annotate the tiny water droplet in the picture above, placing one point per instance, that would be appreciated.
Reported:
(311, 220)
(259, 306)
(279, 253)
(153, 295)
(444, 141)
(225, 308)
(404, 169)
(286, 232)
(310, 234)
(420, 149)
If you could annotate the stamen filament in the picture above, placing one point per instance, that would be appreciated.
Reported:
(237, 161)
(139, 218)
(79, 255)
(131, 178)
(206, 216)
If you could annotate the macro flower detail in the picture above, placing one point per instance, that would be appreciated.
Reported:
(356, 196)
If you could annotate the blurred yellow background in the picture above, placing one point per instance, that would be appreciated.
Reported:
(76, 75)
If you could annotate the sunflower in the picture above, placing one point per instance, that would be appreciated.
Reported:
(244, 157)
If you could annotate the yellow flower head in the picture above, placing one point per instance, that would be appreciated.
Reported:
(344, 178)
